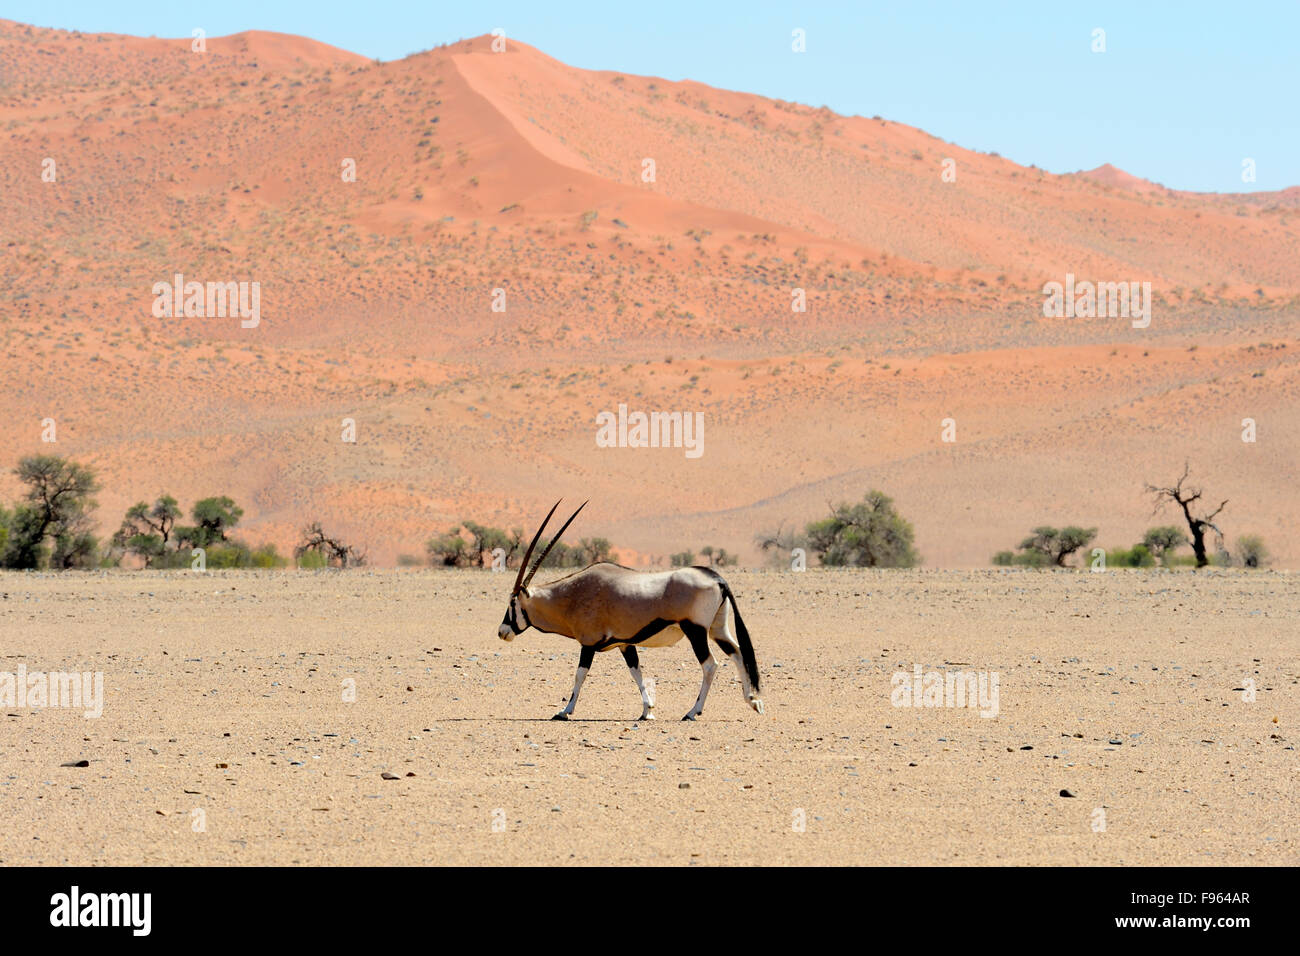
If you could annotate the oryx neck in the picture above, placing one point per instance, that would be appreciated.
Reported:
(536, 607)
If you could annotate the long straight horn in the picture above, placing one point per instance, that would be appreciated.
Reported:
(523, 565)
(553, 542)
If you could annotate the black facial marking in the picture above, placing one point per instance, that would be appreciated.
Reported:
(511, 620)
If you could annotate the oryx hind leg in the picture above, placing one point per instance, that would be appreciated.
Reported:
(647, 699)
(725, 638)
(698, 635)
(584, 664)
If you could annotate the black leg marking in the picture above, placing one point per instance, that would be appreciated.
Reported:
(726, 647)
(630, 655)
(699, 638)
(587, 656)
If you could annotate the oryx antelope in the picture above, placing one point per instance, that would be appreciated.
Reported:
(607, 605)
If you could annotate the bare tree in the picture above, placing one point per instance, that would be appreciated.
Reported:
(1186, 497)
(335, 551)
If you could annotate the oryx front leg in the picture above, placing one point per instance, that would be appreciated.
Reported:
(647, 699)
(584, 665)
(699, 638)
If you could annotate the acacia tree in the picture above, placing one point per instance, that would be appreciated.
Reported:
(146, 530)
(869, 534)
(1187, 498)
(594, 550)
(1163, 541)
(56, 505)
(1055, 544)
(448, 550)
(213, 517)
(487, 539)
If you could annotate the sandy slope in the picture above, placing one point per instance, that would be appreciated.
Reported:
(224, 694)
(478, 171)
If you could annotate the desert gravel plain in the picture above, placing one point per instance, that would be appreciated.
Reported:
(224, 692)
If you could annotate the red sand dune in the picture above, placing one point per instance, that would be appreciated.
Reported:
(1113, 176)
(478, 171)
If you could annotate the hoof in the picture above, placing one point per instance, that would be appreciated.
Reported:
(560, 716)
(689, 717)
(646, 717)
(757, 704)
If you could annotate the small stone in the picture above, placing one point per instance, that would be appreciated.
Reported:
(1067, 793)
(76, 763)
(683, 786)
(390, 776)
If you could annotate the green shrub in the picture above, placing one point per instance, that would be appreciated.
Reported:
(1251, 549)
(1138, 556)
(870, 534)
(313, 560)
(266, 556)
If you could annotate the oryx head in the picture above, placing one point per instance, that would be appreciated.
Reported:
(516, 620)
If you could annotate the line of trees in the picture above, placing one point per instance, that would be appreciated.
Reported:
(150, 533)
(51, 527)
(473, 545)
(709, 555)
(1048, 546)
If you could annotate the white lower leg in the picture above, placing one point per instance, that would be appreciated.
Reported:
(577, 686)
(647, 694)
(708, 666)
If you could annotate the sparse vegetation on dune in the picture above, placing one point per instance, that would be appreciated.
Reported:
(382, 303)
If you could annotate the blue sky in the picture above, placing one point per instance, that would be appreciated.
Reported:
(1183, 94)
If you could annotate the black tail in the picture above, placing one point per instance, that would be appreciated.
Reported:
(742, 633)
